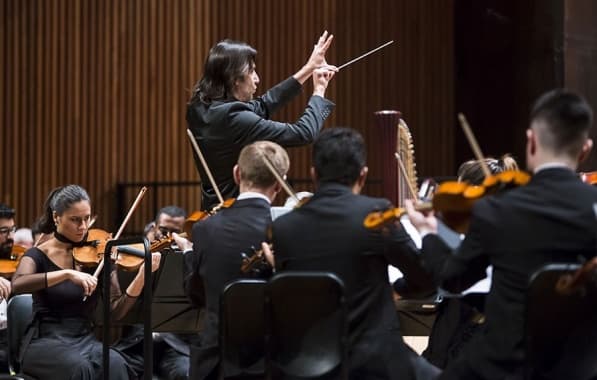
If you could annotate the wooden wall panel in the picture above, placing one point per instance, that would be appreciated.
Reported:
(580, 50)
(94, 92)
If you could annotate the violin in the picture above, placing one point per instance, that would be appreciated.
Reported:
(200, 215)
(256, 264)
(92, 254)
(9, 266)
(454, 200)
(156, 246)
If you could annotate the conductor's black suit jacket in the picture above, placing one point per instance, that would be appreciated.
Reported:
(223, 128)
(549, 220)
(217, 244)
(327, 234)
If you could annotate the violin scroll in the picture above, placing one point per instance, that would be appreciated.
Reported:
(589, 177)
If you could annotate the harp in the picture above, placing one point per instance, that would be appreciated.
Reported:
(394, 137)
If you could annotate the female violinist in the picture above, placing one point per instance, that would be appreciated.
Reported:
(60, 343)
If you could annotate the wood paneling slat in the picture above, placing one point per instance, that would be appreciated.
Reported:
(95, 92)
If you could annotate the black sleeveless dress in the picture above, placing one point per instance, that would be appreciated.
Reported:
(60, 342)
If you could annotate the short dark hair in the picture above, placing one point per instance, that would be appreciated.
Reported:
(339, 154)
(59, 200)
(6, 212)
(567, 117)
(173, 211)
(226, 62)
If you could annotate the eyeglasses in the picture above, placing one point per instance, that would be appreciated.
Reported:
(166, 231)
(8, 230)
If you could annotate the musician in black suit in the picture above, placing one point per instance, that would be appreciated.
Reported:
(327, 234)
(224, 117)
(171, 351)
(219, 240)
(549, 220)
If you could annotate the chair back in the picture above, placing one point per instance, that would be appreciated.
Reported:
(560, 325)
(306, 326)
(19, 314)
(242, 329)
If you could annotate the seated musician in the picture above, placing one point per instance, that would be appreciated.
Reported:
(549, 220)
(338, 242)
(7, 231)
(219, 240)
(60, 343)
(171, 351)
(458, 318)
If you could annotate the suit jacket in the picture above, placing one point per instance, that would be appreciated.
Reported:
(222, 129)
(549, 220)
(217, 244)
(327, 234)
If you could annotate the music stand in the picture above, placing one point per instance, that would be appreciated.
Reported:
(170, 308)
(147, 295)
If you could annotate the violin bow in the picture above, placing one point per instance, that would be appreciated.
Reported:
(279, 178)
(466, 128)
(205, 167)
(140, 196)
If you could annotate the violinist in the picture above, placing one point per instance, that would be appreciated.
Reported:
(219, 240)
(7, 231)
(60, 342)
(327, 234)
(171, 351)
(549, 220)
(224, 117)
(459, 316)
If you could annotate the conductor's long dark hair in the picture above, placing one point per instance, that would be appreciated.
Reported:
(227, 62)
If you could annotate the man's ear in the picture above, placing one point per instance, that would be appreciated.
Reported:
(277, 187)
(531, 142)
(236, 174)
(363, 176)
(360, 182)
(586, 150)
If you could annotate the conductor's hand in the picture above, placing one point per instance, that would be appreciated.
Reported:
(84, 280)
(424, 223)
(317, 58)
(321, 79)
(4, 288)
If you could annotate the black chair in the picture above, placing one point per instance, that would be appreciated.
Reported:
(19, 314)
(561, 325)
(306, 327)
(242, 330)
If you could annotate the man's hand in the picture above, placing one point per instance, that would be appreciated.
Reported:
(269, 254)
(5, 288)
(183, 244)
(424, 223)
